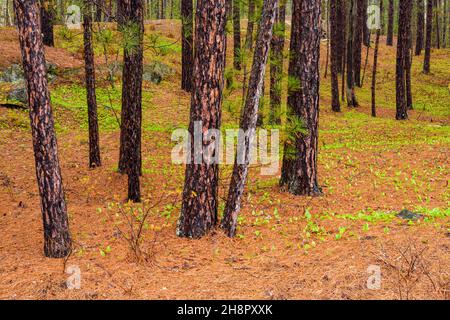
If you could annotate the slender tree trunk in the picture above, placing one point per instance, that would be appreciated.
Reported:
(276, 64)
(299, 170)
(187, 62)
(404, 18)
(390, 32)
(250, 25)
(94, 144)
(358, 41)
(438, 37)
(420, 27)
(47, 18)
(429, 29)
(327, 58)
(199, 207)
(335, 57)
(57, 241)
(237, 35)
(7, 19)
(446, 25)
(366, 31)
(130, 157)
(249, 118)
(374, 70)
(351, 95)
(99, 10)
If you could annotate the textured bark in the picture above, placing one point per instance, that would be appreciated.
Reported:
(187, 29)
(390, 31)
(94, 144)
(47, 18)
(237, 61)
(250, 25)
(351, 95)
(366, 31)
(249, 117)
(404, 18)
(57, 241)
(130, 149)
(341, 23)
(299, 170)
(420, 27)
(358, 41)
(374, 70)
(199, 207)
(429, 29)
(99, 5)
(335, 56)
(276, 64)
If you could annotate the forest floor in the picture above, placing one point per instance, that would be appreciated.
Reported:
(287, 247)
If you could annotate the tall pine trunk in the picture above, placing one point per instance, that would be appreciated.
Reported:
(374, 70)
(420, 27)
(276, 64)
(237, 35)
(187, 30)
(132, 24)
(358, 41)
(390, 31)
(57, 241)
(404, 30)
(335, 55)
(249, 118)
(199, 207)
(250, 25)
(94, 144)
(47, 18)
(299, 170)
(351, 95)
(429, 28)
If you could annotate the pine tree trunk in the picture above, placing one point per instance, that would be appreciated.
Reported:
(57, 241)
(199, 207)
(390, 32)
(250, 25)
(420, 27)
(187, 30)
(335, 56)
(99, 10)
(429, 29)
(357, 42)
(249, 117)
(130, 156)
(351, 95)
(47, 23)
(374, 70)
(276, 64)
(404, 26)
(299, 170)
(438, 37)
(446, 25)
(236, 35)
(366, 31)
(94, 144)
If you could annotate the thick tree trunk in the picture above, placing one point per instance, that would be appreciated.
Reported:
(404, 29)
(249, 118)
(237, 35)
(57, 241)
(336, 61)
(299, 170)
(47, 18)
(94, 144)
(130, 156)
(199, 207)
(374, 70)
(250, 25)
(429, 28)
(276, 64)
(390, 31)
(187, 29)
(420, 27)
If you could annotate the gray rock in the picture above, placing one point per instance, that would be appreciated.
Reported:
(14, 74)
(18, 94)
(408, 215)
(157, 72)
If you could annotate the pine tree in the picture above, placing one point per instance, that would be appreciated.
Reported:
(390, 32)
(187, 58)
(336, 59)
(57, 240)
(429, 29)
(299, 170)
(199, 207)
